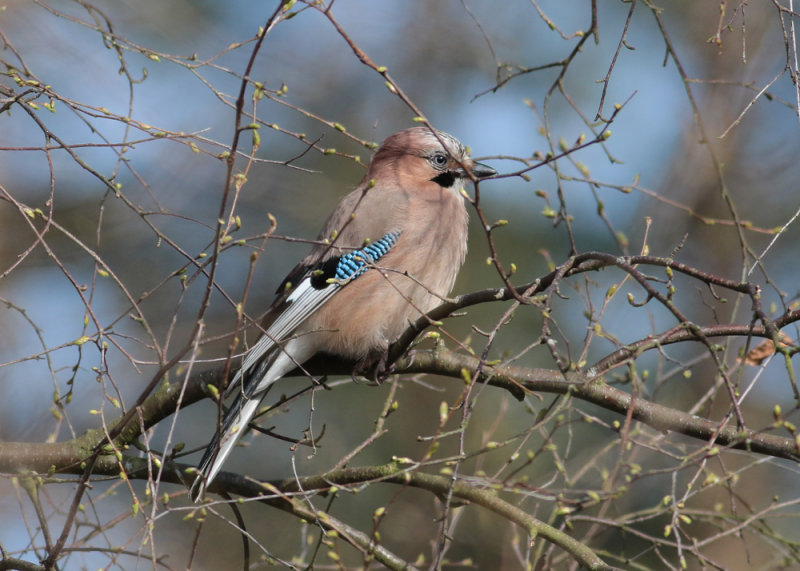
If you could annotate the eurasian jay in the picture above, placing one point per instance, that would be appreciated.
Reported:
(388, 253)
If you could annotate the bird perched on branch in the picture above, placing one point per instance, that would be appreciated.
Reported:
(388, 253)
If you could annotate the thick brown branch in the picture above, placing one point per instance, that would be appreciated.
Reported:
(163, 402)
(597, 392)
(280, 494)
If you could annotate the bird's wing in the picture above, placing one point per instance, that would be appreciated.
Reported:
(316, 288)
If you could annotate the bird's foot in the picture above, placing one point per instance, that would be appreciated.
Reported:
(374, 367)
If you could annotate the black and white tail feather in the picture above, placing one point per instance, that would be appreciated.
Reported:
(277, 352)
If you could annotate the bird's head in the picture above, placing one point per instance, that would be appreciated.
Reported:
(418, 156)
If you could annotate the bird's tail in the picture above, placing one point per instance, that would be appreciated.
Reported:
(233, 426)
(250, 385)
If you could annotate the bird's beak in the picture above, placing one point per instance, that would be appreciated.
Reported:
(480, 170)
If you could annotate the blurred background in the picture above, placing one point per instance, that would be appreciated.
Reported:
(145, 94)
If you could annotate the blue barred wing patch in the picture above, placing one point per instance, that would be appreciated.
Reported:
(355, 263)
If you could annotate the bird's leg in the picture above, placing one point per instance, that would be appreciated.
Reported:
(383, 369)
(374, 366)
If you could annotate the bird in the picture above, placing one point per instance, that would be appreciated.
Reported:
(388, 253)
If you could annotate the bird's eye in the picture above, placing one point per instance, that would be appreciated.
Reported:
(439, 160)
